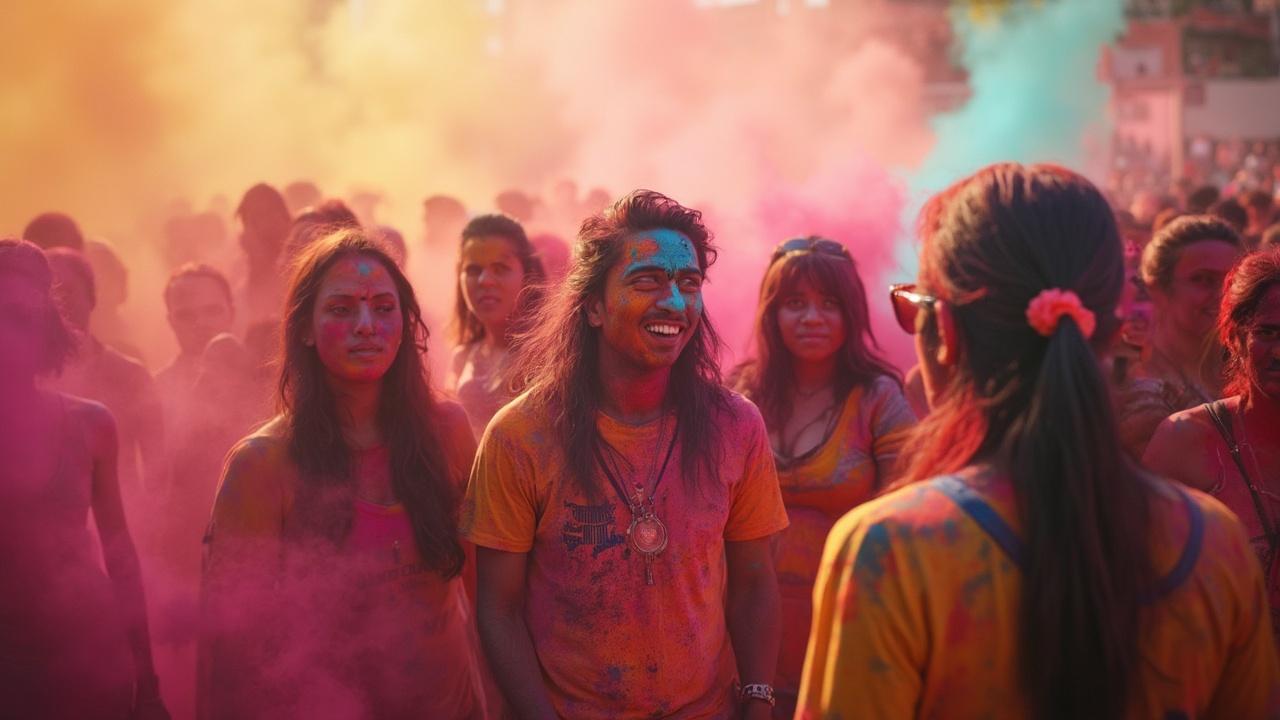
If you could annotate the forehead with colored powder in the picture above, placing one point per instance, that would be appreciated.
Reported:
(489, 249)
(663, 248)
(357, 276)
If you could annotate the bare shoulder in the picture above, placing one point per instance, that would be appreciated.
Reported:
(264, 452)
(95, 420)
(458, 359)
(1180, 446)
(455, 426)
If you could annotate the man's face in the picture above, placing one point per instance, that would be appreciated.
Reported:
(652, 300)
(1262, 345)
(199, 309)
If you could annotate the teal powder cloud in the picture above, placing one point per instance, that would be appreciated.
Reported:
(1036, 95)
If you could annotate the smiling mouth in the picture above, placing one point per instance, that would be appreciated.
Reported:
(664, 329)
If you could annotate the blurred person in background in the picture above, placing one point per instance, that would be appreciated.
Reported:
(100, 372)
(443, 218)
(54, 229)
(76, 643)
(1261, 209)
(1232, 213)
(265, 223)
(111, 278)
(1182, 270)
(301, 194)
(313, 223)
(499, 279)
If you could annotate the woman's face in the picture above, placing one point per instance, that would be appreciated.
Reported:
(1190, 302)
(491, 276)
(24, 308)
(1262, 345)
(811, 323)
(356, 325)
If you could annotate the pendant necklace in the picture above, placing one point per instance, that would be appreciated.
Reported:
(647, 533)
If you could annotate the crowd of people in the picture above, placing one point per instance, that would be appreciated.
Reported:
(1070, 507)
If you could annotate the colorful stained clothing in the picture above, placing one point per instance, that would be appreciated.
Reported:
(915, 611)
(363, 629)
(480, 386)
(609, 645)
(848, 468)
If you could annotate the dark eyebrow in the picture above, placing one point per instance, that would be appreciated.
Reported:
(645, 269)
(349, 296)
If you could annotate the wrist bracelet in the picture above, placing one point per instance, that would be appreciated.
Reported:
(756, 691)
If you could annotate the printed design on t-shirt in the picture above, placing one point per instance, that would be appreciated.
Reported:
(592, 525)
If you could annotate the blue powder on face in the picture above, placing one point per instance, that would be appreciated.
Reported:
(674, 252)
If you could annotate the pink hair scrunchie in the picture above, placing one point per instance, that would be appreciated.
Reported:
(1047, 309)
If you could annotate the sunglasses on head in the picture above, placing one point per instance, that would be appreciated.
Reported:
(810, 244)
(907, 304)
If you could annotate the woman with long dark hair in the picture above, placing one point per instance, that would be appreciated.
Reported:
(1026, 568)
(835, 412)
(333, 575)
(1230, 448)
(74, 643)
(498, 288)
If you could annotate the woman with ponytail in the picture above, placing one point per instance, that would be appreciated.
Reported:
(1024, 568)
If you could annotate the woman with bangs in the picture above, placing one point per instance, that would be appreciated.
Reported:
(333, 572)
(835, 411)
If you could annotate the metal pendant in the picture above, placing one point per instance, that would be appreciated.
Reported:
(648, 534)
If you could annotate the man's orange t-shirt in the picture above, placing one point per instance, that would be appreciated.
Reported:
(611, 646)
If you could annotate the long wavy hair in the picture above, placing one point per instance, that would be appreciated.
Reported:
(467, 328)
(408, 417)
(1247, 283)
(558, 360)
(1038, 409)
(767, 377)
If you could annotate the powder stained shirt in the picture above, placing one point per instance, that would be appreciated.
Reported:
(819, 487)
(609, 645)
(916, 611)
(299, 628)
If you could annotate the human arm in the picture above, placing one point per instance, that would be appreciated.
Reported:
(499, 516)
(241, 569)
(1182, 449)
(505, 635)
(121, 557)
(752, 613)
(891, 422)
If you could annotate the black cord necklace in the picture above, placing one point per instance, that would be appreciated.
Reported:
(647, 533)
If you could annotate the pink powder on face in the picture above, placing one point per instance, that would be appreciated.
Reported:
(358, 326)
